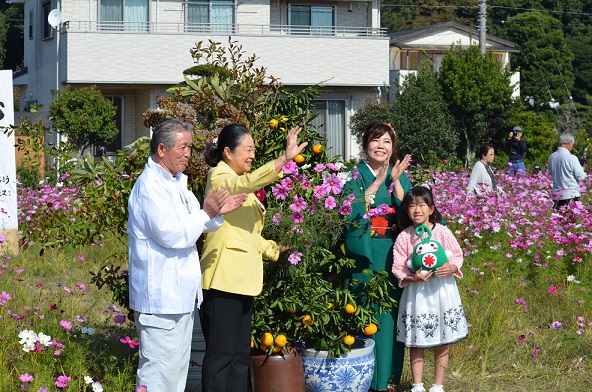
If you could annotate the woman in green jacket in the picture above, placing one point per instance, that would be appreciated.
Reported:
(380, 179)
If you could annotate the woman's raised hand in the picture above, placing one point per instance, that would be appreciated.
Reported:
(400, 166)
(292, 147)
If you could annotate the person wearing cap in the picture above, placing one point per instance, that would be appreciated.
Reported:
(566, 171)
(516, 147)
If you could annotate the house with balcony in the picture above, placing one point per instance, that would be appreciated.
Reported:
(133, 50)
(409, 48)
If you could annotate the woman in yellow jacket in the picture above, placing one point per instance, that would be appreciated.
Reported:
(232, 259)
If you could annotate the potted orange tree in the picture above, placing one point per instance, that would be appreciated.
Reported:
(306, 300)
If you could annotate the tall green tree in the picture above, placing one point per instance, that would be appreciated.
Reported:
(422, 121)
(84, 116)
(478, 92)
(544, 61)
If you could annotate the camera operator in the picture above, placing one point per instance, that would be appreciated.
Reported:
(516, 147)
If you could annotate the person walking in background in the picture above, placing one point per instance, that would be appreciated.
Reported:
(482, 180)
(566, 171)
(381, 180)
(515, 147)
(232, 261)
(430, 312)
(165, 221)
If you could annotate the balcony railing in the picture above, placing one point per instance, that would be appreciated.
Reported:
(222, 29)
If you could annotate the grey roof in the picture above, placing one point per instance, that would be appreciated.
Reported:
(399, 38)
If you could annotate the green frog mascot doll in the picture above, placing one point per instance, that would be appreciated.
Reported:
(427, 255)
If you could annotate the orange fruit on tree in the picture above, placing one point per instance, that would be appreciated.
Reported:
(252, 344)
(317, 149)
(349, 340)
(280, 341)
(267, 339)
(263, 347)
(299, 159)
(370, 329)
(329, 305)
(307, 320)
(276, 349)
(350, 309)
(273, 123)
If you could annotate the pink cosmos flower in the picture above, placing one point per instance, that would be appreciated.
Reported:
(67, 290)
(295, 258)
(330, 203)
(80, 257)
(62, 381)
(260, 194)
(129, 341)
(81, 286)
(346, 208)
(119, 319)
(43, 389)
(80, 319)
(298, 205)
(521, 338)
(297, 217)
(279, 192)
(66, 324)
(319, 167)
(556, 325)
(290, 168)
(53, 306)
(26, 377)
(142, 388)
(552, 289)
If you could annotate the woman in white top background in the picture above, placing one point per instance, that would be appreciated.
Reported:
(482, 180)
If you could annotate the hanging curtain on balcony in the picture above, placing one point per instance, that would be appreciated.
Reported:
(222, 20)
(321, 20)
(111, 14)
(136, 15)
(131, 15)
(197, 13)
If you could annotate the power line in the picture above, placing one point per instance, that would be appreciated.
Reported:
(477, 7)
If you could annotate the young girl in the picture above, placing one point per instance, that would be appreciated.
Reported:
(430, 311)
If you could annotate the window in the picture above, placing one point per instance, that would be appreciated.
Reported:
(117, 144)
(31, 24)
(331, 125)
(312, 19)
(129, 15)
(210, 16)
(46, 27)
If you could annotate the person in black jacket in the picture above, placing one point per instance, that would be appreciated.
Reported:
(516, 147)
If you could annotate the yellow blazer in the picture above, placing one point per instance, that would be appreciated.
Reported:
(232, 257)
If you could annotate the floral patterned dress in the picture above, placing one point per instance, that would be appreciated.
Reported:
(370, 243)
(430, 313)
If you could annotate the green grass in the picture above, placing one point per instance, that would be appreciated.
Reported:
(491, 358)
(36, 284)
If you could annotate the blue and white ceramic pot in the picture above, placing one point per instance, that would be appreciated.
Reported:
(352, 372)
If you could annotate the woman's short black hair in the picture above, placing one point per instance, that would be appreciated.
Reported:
(231, 136)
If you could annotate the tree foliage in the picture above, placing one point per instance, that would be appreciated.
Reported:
(84, 116)
(374, 110)
(478, 93)
(228, 88)
(422, 120)
(544, 61)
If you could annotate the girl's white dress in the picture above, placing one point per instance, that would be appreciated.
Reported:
(431, 312)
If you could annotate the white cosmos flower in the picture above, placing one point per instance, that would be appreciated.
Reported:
(97, 387)
(88, 380)
(28, 336)
(571, 278)
(44, 339)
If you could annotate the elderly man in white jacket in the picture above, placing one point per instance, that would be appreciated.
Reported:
(165, 221)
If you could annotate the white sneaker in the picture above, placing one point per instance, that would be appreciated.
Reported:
(418, 388)
(437, 388)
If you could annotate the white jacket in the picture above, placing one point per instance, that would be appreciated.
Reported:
(165, 221)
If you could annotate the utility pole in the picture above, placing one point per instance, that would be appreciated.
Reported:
(482, 26)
